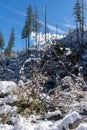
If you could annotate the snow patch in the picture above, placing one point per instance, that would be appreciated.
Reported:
(82, 126)
(6, 108)
(5, 127)
(55, 113)
(68, 119)
(7, 86)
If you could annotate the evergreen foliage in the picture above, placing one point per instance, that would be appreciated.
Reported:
(28, 25)
(36, 23)
(32, 24)
(10, 45)
(80, 20)
(2, 44)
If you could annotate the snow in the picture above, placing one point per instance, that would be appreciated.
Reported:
(33, 122)
(82, 126)
(55, 113)
(23, 124)
(8, 99)
(20, 83)
(6, 108)
(41, 38)
(7, 86)
(5, 127)
(68, 119)
(84, 105)
(68, 51)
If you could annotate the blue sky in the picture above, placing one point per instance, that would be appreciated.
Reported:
(12, 14)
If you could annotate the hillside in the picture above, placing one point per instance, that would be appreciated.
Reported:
(72, 42)
(44, 89)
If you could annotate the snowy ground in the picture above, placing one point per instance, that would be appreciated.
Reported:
(19, 122)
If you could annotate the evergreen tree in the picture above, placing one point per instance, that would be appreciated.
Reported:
(79, 19)
(24, 35)
(77, 14)
(45, 22)
(70, 34)
(2, 44)
(8, 50)
(28, 26)
(82, 20)
(36, 23)
(28, 23)
(56, 29)
(31, 24)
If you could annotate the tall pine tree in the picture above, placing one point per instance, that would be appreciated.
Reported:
(27, 26)
(24, 36)
(77, 15)
(28, 23)
(45, 21)
(2, 44)
(10, 45)
(36, 23)
(82, 21)
(79, 19)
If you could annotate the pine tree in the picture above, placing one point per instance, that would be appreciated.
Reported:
(79, 19)
(45, 22)
(26, 32)
(56, 29)
(8, 50)
(82, 20)
(2, 44)
(28, 23)
(24, 35)
(77, 14)
(70, 34)
(36, 23)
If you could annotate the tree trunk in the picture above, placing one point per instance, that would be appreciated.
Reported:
(78, 40)
(26, 45)
(28, 42)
